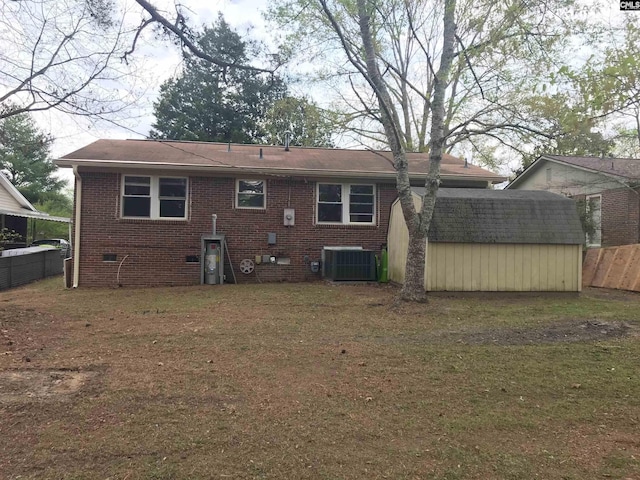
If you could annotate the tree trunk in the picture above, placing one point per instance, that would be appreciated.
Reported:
(417, 222)
(413, 289)
(389, 118)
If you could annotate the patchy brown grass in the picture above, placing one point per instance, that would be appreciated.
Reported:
(316, 381)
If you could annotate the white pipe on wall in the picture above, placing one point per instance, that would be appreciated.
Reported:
(76, 238)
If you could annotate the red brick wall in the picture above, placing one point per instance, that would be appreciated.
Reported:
(620, 217)
(155, 250)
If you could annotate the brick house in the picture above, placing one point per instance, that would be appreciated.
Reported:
(142, 207)
(610, 188)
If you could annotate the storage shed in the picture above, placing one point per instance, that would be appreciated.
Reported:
(495, 240)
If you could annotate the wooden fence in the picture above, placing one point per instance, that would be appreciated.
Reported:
(612, 267)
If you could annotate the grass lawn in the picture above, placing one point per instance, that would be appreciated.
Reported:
(316, 381)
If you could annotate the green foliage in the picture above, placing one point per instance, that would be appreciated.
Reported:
(586, 219)
(58, 204)
(569, 128)
(8, 236)
(606, 87)
(24, 157)
(208, 103)
(309, 125)
(627, 140)
(503, 51)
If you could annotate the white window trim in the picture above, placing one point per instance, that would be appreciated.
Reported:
(264, 193)
(346, 194)
(154, 194)
(587, 198)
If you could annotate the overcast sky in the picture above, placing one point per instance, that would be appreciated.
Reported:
(161, 60)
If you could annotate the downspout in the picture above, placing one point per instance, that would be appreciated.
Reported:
(76, 238)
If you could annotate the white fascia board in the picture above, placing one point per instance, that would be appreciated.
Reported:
(586, 169)
(527, 171)
(535, 165)
(272, 171)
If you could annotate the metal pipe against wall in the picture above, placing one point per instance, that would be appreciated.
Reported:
(76, 239)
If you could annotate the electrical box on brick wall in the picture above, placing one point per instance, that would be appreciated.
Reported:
(289, 217)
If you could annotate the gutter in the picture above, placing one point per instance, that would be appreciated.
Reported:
(235, 170)
(77, 223)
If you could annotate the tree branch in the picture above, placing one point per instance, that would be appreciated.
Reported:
(177, 29)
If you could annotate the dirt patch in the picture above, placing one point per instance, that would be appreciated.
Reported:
(565, 332)
(19, 385)
(571, 331)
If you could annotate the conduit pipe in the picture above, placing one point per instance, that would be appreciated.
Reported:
(77, 222)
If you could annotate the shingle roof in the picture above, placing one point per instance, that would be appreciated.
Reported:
(504, 216)
(622, 167)
(296, 161)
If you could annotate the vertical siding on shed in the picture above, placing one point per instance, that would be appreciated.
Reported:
(398, 241)
(503, 267)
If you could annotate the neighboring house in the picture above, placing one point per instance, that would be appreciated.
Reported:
(15, 211)
(143, 206)
(495, 240)
(610, 188)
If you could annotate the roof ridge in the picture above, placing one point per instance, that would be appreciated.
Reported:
(264, 145)
(594, 157)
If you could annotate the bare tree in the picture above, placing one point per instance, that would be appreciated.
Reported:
(179, 29)
(368, 65)
(431, 75)
(63, 55)
(74, 55)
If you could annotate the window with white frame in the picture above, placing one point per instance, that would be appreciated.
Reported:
(345, 203)
(154, 197)
(594, 220)
(251, 194)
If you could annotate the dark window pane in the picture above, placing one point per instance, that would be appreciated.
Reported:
(173, 187)
(137, 185)
(251, 186)
(251, 200)
(172, 208)
(137, 180)
(330, 193)
(361, 208)
(364, 189)
(329, 212)
(136, 207)
(361, 218)
(361, 199)
(139, 190)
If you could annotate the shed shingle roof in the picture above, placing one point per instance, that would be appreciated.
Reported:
(504, 216)
(298, 160)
